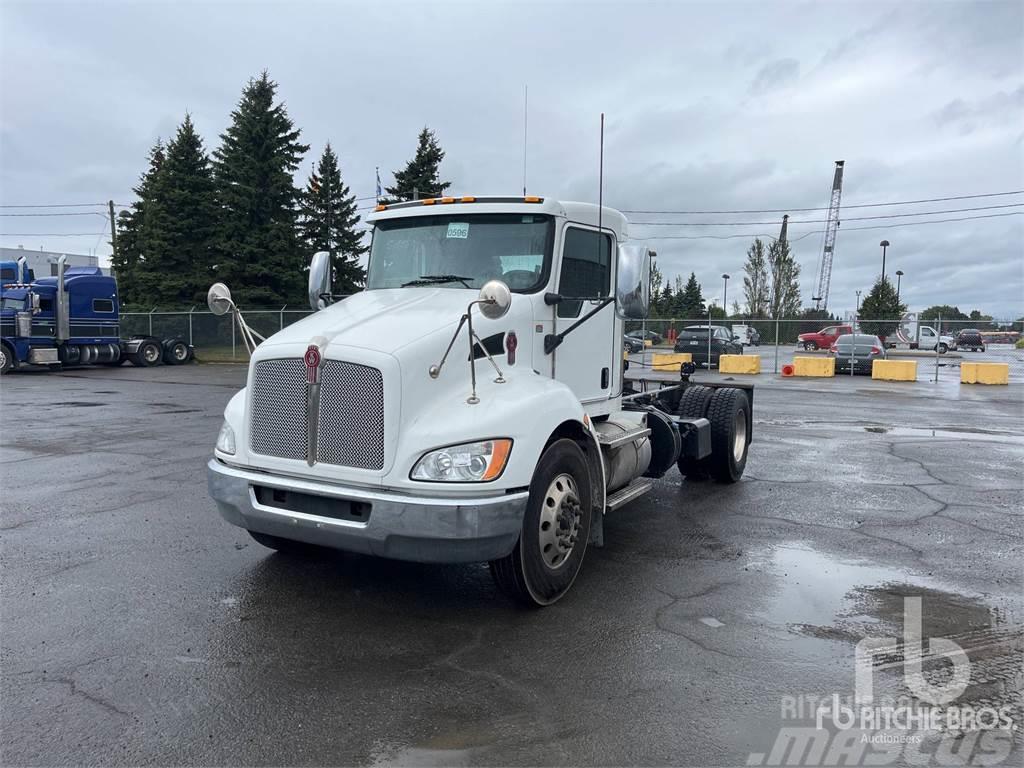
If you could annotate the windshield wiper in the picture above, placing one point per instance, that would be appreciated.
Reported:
(437, 279)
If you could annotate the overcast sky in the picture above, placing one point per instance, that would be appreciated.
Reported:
(718, 106)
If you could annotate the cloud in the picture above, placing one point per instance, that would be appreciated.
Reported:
(774, 75)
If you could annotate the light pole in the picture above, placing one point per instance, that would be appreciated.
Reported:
(884, 244)
(725, 294)
(856, 313)
(899, 277)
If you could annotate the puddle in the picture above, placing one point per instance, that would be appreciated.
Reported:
(79, 404)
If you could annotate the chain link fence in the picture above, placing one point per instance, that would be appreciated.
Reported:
(216, 338)
(939, 346)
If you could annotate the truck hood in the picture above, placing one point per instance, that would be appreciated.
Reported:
(384, 320)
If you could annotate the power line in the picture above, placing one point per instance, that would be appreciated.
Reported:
(814, 221)
(61, 213)
(57, 205)
(818, 231)
(50, 234)
(845, 207)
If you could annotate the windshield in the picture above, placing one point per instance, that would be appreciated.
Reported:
(467, 249)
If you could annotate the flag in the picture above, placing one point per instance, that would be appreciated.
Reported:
(379, 193)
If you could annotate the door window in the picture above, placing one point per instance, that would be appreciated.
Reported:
(586, 268)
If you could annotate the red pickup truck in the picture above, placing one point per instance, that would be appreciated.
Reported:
(824, 338)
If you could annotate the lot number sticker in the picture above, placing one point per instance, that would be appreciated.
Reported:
(458, 230)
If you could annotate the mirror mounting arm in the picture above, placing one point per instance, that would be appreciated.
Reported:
(553, 340)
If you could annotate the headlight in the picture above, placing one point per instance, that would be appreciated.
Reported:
(226, 439)
(465, 463)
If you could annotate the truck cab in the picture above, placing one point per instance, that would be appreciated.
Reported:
(471, 403)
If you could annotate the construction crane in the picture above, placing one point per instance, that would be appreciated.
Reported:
(829, 247)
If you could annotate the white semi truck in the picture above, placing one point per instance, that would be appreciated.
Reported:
(470, 405)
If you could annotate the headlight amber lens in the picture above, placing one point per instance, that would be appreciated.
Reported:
(466, 463)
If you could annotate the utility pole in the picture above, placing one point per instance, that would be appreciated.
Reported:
(885, 246)
(113, 227)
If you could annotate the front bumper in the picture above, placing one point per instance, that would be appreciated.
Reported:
(422, 529)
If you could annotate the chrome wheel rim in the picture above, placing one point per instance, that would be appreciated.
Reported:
(739, 441)
(151, 353)
(180, 352)
(3, 357)
(559, 527)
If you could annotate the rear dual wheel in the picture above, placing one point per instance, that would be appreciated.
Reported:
(556, 527)
(728, 411)
(148, 354)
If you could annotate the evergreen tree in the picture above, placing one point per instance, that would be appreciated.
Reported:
(690, 301)
(329, 221)
(421, 177)
(657, 279)
(667, 304)
(180, 223)
(258, 252)
(755, 281)
(127, 256)
(947, 313)
(881, 311)
(784, 300)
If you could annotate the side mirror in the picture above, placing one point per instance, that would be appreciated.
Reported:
(319, 280)
(218, 299)
(495, 299)
(633, 282)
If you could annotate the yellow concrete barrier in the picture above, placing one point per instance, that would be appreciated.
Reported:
(670, 361)
(648, 343)
(894, 370)
(814, 366)
(984, 373)
(739, 364)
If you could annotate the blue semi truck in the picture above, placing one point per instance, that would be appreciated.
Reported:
(72, 319)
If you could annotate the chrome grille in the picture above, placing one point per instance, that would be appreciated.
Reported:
(278, 422)
(351, 427)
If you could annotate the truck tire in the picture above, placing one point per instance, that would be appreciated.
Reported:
(175, 352)
(6, 359)
(729, 414)
(556, 527)
(286, 546)
(943, 349)
(148, 354)
(694, 405)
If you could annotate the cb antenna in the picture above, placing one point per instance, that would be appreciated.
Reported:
(526, 112)
(600, 189)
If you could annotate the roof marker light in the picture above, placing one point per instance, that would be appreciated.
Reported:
(381, 207)
(467, 199)
(532, 199)
(429, 201)
(447, 199)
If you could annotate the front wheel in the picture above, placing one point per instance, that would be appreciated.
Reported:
(810, 346)
(943, 349)
(556, 526)
(6, 359)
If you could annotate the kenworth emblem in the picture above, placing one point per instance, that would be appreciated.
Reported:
(312, 359)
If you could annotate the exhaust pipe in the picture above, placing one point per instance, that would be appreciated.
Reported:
(63, 320)
(22, 270)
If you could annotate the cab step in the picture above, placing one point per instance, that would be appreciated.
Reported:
(613, 440)
(623, 496)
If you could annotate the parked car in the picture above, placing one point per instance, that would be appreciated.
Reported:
(632, 344)
(969, 338)
(648, 335)
(694, 339)
(824, 338)
(747, 333)
(858, 351)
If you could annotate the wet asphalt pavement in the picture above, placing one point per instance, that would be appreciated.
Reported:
(139, 628)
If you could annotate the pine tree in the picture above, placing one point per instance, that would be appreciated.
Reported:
(125, 260)
(784, 300)
(690, 301)
(421, 177)
(329, 221)
(755, 281)
(667, 303)
(180, 224)
(656, 290)
(881, 311)
(258, 251)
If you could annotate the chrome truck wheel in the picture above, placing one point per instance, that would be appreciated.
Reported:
(6, 359)
(544, 563)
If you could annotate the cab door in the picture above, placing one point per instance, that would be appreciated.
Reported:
(585, 361)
